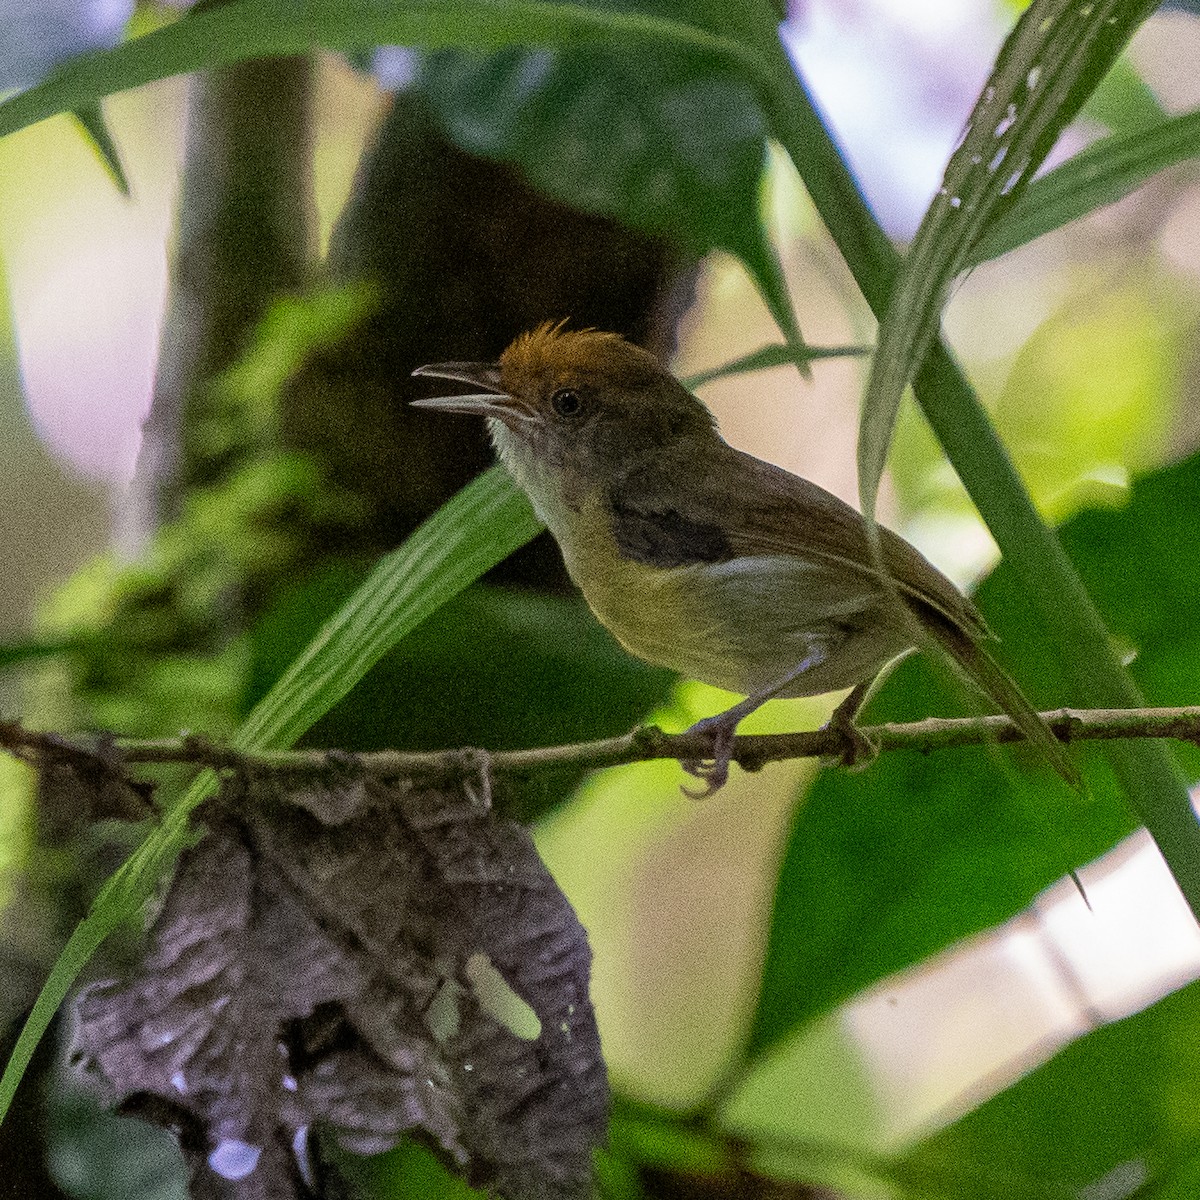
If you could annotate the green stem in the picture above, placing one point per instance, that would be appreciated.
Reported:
(1148, 774)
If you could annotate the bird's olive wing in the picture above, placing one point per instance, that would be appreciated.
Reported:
(792, 515)
(737, 506)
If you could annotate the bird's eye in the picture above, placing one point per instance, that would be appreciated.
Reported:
(566, 402)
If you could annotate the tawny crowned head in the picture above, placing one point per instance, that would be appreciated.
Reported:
(579, 402)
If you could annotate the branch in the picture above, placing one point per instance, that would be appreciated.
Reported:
(750, 751)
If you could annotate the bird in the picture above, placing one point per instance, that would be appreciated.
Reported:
(703, 559)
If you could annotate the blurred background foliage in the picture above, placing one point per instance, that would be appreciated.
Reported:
(868, 984)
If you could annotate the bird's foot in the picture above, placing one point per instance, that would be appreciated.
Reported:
(713, 772)
(858, 750)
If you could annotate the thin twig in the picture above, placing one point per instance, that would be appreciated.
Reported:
(750, 751)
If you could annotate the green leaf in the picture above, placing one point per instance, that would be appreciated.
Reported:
(408, 1170)
(245, 29)
(480, 526)
(884, 868)
(616, 1177)
(1051, 61)
(87, 1148)
(1123, 101)
(767, 357)
(472, 532)
(1055, 56)
(753, 246)
(91, 119)
(909, 313)
(686, 151)
(458, 669)
(657, 1137)
(1102, 174)
(671, 142)
(1051, 588)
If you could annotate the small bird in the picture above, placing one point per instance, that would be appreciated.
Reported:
(703, 559)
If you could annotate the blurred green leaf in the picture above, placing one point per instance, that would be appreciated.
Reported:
(95, 1155)
(408, 1170)
(291, 332)
(15, 653)
(484, 523)
(671, 140)
(1050, 586)
(1105, 369)
(616, 1177)
(658, 1137)
(1179, 1179)
(498, 668)
(1112, 1115)
(663, 141)
(666, 142)
(91, 118)
(884, 868)
(1139, 562)
(473, 531)
(1102, 174)
(503, 669)
(1049, 64)
(1123, 101)
(1055, 56)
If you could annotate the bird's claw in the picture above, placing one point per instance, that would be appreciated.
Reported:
(713, 772)
(858, 750)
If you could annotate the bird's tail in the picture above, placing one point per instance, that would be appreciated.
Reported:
(987, 674)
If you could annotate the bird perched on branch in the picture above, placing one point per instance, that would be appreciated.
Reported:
(706, 560)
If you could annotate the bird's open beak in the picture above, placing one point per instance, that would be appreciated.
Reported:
(493, 402)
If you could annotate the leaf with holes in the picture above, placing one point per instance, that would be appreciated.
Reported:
(1102, 174)
(371, 959)
(1054, 57)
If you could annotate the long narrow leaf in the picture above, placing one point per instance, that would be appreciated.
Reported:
(447, 553)
(766, 357)
(91, 119)
(1102, 174)
(482, 524)
(16, 653)
(1074, 632)
(1056, 54)
(256, 28)
(760, 259)
(249, 29)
